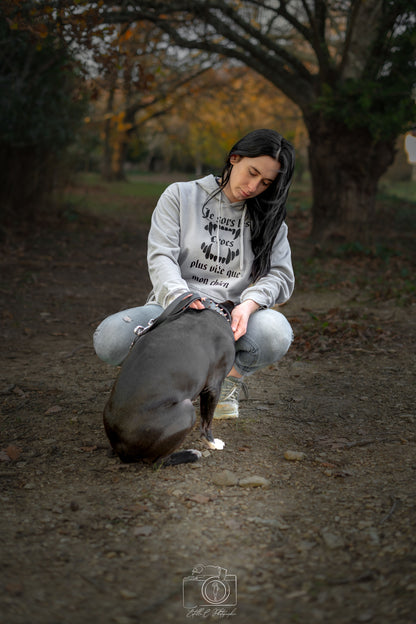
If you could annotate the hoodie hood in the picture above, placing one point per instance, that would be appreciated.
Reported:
(210, 184)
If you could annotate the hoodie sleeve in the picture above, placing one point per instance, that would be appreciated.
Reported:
(164, 247)
(277, 286)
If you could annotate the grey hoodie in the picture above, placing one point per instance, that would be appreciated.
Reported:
(206, 248)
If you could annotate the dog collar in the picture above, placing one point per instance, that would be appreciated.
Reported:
(217, 307)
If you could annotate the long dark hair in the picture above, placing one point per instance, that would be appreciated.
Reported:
(267, 211)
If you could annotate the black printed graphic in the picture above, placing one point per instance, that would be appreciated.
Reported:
(219, 255)
(209, 255)
(213, 227)
(223, 233)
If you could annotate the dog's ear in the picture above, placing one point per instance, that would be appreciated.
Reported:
(228, 305)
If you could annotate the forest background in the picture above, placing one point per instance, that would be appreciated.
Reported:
(170, 86)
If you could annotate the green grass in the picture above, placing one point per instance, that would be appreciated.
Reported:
(144, 185)
(139, 193)
(403, 190)
(136, 196)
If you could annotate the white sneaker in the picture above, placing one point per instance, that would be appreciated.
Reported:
(227, 406)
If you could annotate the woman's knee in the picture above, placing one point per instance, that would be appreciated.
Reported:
(272, 333)
(113, 337)
(278, 334)
(108, 343)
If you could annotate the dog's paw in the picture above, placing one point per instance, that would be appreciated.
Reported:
(213, 443)
(218, 444)
(196, 452)
(189, 456)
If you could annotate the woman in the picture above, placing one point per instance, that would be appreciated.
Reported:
(224, 238)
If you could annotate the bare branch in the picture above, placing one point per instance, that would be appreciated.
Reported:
(240, 40)
(360, 37)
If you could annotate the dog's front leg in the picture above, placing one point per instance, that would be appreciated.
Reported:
(208, 401)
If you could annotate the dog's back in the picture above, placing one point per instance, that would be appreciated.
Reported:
(150, 411)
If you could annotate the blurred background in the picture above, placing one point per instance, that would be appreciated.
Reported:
(92, 95)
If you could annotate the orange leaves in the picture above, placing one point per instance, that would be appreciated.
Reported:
(11, 453)
(42, 31)
(126, 36)
(118, 122)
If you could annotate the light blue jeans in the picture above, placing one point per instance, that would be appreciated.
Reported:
(267, 340)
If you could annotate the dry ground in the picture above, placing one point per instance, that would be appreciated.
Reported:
(85, 538)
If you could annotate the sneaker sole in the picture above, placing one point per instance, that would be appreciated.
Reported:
(224, 415)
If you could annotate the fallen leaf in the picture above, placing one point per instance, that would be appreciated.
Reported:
(13, 452)
(89, 449)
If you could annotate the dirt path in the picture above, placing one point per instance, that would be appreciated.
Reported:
(330, 538)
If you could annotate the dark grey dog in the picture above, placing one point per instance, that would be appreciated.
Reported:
(186, 353)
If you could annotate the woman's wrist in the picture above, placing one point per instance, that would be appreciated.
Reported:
(251, 305)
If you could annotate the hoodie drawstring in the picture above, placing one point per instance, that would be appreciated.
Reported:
(242, 222)
(218, 231)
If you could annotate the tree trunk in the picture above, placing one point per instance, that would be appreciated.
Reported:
(119, 159)
(122, 147)
(345, 166)
(106, 169)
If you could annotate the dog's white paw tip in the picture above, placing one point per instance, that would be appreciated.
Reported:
(196, 452)
(219, 444)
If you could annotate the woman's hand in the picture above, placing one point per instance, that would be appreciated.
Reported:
(197, 305)
(240, 316)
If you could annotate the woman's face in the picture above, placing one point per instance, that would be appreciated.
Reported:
(250, 176)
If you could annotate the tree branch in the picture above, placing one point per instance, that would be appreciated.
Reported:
(171, 88)
(257, 50)
(297, 89)
(362, 32)
(317, 20)
(266, 41)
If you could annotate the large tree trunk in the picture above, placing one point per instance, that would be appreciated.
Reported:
(106, 169)
(345, 166)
